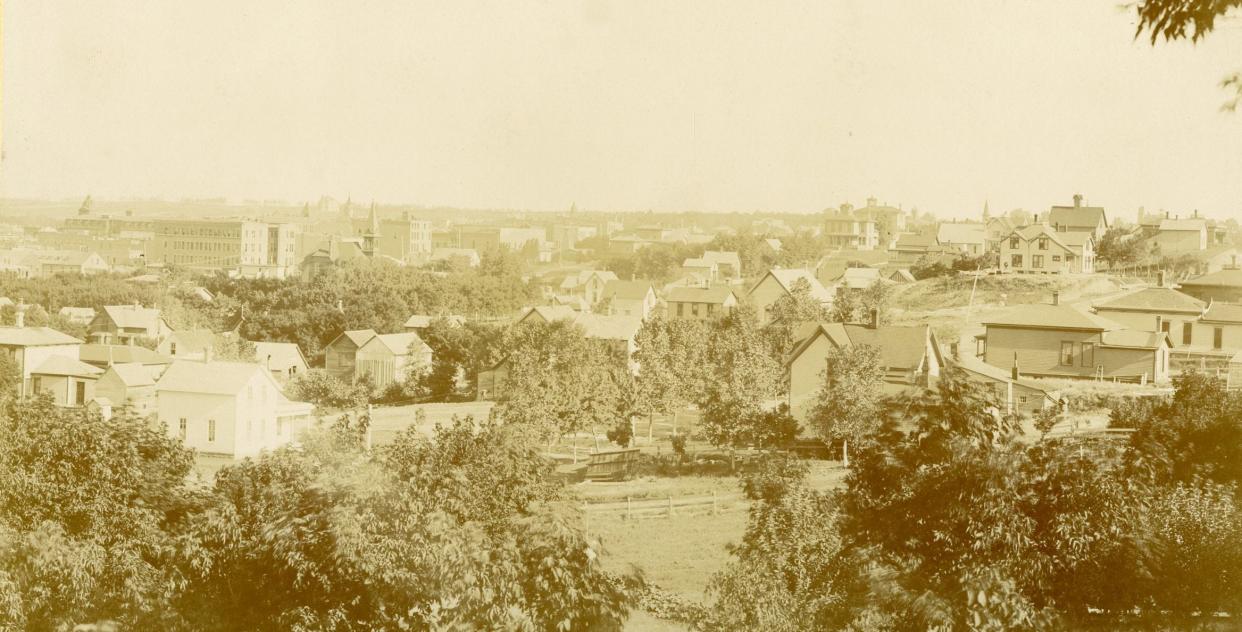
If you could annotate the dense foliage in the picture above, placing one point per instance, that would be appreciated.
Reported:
(464, 530)
(950, 522)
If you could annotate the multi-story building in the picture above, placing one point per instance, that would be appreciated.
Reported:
(253, 248)
(405, 238)
(1037, 249)
(845, 229)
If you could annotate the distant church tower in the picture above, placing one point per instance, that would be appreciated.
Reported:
(987, 215)
(85, 209)
(371, 235)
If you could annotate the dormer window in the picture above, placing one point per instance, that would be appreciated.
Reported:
(1043, 243)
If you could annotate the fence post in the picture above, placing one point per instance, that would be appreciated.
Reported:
(670, 506)
(627, 507)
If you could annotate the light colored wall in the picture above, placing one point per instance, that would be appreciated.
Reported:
(1181, 240)
(197, 409)
(1039, 350)
(1203, 335)
(766, 293)
(806, 377)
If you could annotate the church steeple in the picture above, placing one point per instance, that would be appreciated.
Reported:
(986, 214)
(372, 234)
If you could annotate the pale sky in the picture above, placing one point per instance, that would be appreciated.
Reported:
(713, 105)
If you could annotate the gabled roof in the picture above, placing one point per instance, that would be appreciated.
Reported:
(214, 378)
(787, 277)
(628, 290)
(1155, 299)
(1045, 316)
(1192, 224)
(548, 313)
(1223, 278)
(716, 294)
(132, 374)
(358, 336)
(1223, 313)
(193, 339)
(901, 275)
(903, 347)
(725, 257)
(1085, 217)
(120, 354)
(401, 344)
(915, 241)
(1036, 231)
(60, 365)
(697, 263)
(862, 278)
(81, 313)
(131, 317)
(282, 354)
(35, 337)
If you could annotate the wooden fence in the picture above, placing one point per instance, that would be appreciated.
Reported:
(668, 506)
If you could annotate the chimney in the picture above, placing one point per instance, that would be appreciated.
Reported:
(1077, 200)
(1166, 215)
(875, 319)
(1056, 298)
(1160, 279)
(1014, 373)
(19, 313)
(1159, 324)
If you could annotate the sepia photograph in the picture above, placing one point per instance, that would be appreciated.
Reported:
(620, 316)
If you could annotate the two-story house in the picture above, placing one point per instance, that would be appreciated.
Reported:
(1162, 309)
(31, 348)
(1079, 218)
(126, 324)
(1055, 340)
(228, 409)
(780, 282)
(970, 238)
(130, 384)
(386, 358)
(589, 284)
(629, 298)
(1037, 249)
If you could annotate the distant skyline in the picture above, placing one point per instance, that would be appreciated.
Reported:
(619, 105)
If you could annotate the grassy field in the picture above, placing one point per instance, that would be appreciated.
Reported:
(954, 292)
(679, 554)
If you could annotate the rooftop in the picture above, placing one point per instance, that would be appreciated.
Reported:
(34, 337)
(1157, 299)
(1046, 316)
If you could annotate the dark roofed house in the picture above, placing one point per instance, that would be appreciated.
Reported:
(1079, 218)
(910, 356)
(1156, 309)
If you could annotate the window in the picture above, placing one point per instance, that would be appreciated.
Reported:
(172, 348)
(211, 430)
(694, 309)
(681, 309)
(1037, 261)
(1016, 260)
(1022, 399)
(36, 385)
(1187, 333)
(1056, 258)
(1218, 337)
(79, 394)
(1088, 354)
(181, 428)
(1164, 326)
(1013, 243)
(1043, 243)
(1067, 354)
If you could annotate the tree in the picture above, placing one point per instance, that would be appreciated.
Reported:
(849, 404)
(742, 376)
(857, 306)
(1119, 247)
(789, 312)
(324, 389)
(559, 381)
(793, 569)
(1175, 20)
(92, 508)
